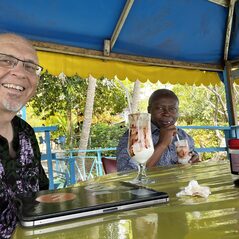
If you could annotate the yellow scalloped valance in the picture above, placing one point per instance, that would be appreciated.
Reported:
(56, 63)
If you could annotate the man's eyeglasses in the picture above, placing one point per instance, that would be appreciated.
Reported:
(11, 61)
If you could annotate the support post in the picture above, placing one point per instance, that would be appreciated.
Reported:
(230, 96)
(99, 162)
(49, 159)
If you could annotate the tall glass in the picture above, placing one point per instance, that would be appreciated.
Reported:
(140, 144)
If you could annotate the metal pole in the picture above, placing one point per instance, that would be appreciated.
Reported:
(49, 160)
(229, 28)
(99, 162)
(121, 22)
(231, 106)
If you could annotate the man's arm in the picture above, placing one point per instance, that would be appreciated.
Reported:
(165, 138)
(43, 179)
(158, 151)
(8, 211)
(124, 163)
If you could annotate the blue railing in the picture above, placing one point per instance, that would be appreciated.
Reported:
(69, 161)
(48, 155)
(67, 167)
(229, 132)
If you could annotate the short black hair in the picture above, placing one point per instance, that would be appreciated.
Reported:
(161, 93)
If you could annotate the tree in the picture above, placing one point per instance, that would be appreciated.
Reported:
(64, 97)
(136, 96)
(85, 133)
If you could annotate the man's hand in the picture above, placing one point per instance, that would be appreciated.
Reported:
(194, 159)
(166, 135)
(165, 138)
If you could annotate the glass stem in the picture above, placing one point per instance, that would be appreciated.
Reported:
(141, 171)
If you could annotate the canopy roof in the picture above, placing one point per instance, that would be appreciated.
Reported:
(155, 40)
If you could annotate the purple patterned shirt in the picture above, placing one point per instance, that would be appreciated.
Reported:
(19, 175)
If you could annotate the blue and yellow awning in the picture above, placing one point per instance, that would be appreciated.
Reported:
(56, 63)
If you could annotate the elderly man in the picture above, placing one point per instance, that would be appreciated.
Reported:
(20, 167)
(163, 107)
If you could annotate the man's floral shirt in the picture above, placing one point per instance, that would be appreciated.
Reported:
(19, 175)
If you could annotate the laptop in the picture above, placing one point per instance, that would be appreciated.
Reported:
(77, 226)
(46, 207)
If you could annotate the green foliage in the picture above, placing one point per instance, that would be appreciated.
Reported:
(199, 105)
(105, 136)
(56, 96)
(109, 97)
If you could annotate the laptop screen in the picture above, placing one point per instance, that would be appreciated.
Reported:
(46, 207)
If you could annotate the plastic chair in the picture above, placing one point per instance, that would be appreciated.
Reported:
(109, 165)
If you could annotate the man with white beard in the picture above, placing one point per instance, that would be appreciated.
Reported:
(20, 166)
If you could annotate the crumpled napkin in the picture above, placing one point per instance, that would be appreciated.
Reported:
(194, 189)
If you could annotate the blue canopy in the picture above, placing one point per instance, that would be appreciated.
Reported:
(148, 36)
(181, 30)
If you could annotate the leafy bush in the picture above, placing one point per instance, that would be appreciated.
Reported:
(105, 136)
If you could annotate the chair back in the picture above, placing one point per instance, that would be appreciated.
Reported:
(109, 165)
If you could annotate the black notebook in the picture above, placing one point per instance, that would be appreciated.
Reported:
(47, 207)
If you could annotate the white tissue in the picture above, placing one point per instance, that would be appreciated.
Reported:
(194, 189)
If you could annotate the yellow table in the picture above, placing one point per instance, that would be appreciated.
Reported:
(185, 217)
